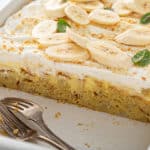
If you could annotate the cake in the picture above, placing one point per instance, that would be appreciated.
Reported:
(92, 53)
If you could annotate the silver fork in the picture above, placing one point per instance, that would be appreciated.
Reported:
(31, 115)
(10, 123)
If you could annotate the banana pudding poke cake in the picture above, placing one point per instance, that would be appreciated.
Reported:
(91, 53)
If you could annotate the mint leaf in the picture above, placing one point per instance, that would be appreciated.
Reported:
(142, 58)
(145, 18)
(62, 25)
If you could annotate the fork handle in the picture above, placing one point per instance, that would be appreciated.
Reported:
(52, 142)
(51, 138)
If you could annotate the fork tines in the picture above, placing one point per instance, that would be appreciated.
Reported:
(12, 125)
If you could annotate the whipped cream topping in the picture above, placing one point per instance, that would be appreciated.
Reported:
(36, 63)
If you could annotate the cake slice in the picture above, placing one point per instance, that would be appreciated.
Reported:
(94, 54)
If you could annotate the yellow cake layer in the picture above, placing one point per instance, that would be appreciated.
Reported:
(88, 92)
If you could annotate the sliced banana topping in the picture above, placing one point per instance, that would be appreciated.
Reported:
(143, 4)
(108, 54)
(106, 17)
(55, 8)
(89, 6)
(120, 8)
(139, 6)
(34, 10)
(106, 33)
(56, 38)
(67, 52)
(44, 29)
(97, 30)
(138, 36)
(77, 38)
(77, 14)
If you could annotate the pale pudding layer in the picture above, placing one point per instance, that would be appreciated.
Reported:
(92, 53)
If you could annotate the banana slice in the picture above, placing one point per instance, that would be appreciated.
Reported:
(55, 8)
(108, 54)
(90, 6)
(131, 5)
(77, 38)
(96, 30)
(34, 10)
(106, 17)
(143, 5)
(138, 36)
(77, 14)
(139, 6)
(120, 8)
(56, 38)
(68, 52)
(44, 29)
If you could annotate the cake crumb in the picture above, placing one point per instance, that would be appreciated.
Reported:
(15, 131)
(16, 105)
(80, 124)
(87, 145)
(88, 125)
(116, 123)
(144, 78)
(57, 115)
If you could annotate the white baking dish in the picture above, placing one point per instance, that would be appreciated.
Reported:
(7, 7)
(84, 129)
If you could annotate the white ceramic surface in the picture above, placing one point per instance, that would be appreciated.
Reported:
(7, 7)
(89, 130)
(10, 144)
